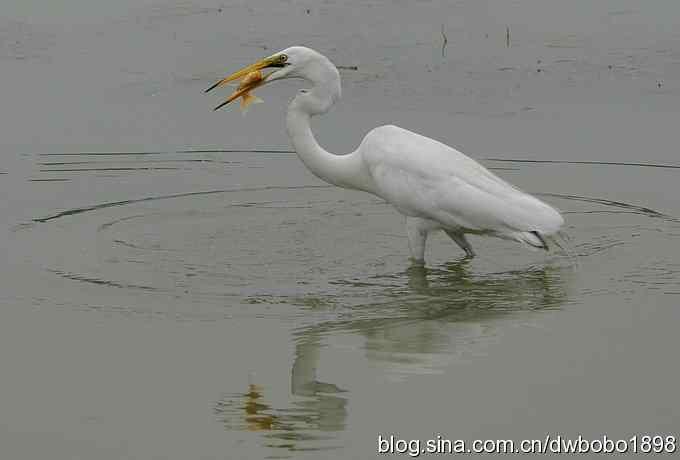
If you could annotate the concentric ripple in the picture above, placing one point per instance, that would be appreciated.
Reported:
(323, 252)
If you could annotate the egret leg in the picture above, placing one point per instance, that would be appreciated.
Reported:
(461, 241)
(417, 230)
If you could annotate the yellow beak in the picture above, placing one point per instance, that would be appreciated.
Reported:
(264, 63)
(272, 61)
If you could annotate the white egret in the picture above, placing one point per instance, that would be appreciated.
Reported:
(435, 186)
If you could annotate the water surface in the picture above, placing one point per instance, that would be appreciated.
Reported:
(176, 285)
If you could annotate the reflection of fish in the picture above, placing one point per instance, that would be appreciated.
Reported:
(248, 84)
(256, 417)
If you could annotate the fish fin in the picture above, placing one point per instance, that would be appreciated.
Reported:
(248, 99)
(245, 101)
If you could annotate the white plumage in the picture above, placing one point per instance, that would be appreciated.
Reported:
(435, 186)
(438, 187)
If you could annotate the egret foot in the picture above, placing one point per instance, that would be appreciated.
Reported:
(461, 241)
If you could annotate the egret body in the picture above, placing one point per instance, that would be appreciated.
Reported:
(434, 186)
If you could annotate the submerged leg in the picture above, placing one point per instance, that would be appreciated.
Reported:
(417, 229)
(461, 241)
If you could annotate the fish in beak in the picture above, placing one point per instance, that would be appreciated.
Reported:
(247, 85)
(251, 78)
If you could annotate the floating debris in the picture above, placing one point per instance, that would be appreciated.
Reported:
(445, 41)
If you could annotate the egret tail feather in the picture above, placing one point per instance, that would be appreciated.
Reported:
(533, 239)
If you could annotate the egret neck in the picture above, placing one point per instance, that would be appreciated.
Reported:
(346, 171)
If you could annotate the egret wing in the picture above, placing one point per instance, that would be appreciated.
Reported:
(425, 178)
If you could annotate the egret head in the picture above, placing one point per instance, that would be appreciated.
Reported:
(293, 62)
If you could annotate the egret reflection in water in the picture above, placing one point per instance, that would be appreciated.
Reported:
(428, 318)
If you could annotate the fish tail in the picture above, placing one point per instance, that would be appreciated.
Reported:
(248, 99)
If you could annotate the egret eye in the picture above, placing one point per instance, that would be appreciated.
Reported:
(283, 58)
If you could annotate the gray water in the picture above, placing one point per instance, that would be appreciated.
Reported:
(176, 285)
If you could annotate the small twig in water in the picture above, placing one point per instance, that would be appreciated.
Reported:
(444, 42)
(507, 36)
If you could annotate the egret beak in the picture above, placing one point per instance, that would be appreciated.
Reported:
(272, 61)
